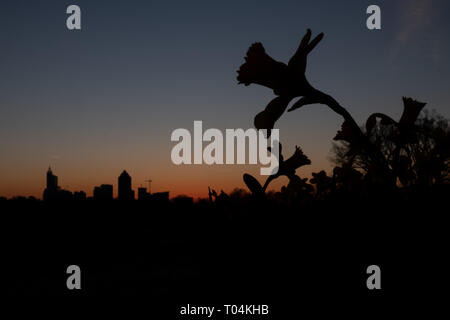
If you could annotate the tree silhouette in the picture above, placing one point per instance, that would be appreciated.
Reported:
(417, 149)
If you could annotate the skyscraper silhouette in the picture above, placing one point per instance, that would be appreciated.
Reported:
(125, 191)
(52, 180)
(51, 191)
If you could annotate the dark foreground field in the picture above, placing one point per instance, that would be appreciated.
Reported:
(250, 251)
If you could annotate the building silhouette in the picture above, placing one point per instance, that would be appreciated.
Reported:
(53, 191)
(160, 196)
(52, 180)
(79, 195)
(143, 194)
(155, 197)
(125, 190)
(103, 192)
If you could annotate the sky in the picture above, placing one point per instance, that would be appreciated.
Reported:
(96, 101)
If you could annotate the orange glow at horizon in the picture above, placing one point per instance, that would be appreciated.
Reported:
(189, 180)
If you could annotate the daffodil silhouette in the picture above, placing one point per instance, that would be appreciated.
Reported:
(286, 168)
(286, 81)
(411, 111)
(401, 133)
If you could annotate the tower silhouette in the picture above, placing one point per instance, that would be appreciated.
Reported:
(125, 191)
(51, 191)
(52, 180)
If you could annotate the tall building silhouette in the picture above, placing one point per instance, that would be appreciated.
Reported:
(52, 180)
(51, 191)
(125, 191)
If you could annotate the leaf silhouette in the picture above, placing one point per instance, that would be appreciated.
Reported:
(267, 118)
(252, 184)
(303, 101)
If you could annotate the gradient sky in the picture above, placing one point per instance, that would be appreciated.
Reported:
(94, 102)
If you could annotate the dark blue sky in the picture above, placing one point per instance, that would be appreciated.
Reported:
(95, 101)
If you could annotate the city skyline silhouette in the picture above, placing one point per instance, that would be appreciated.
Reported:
(104, 192)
